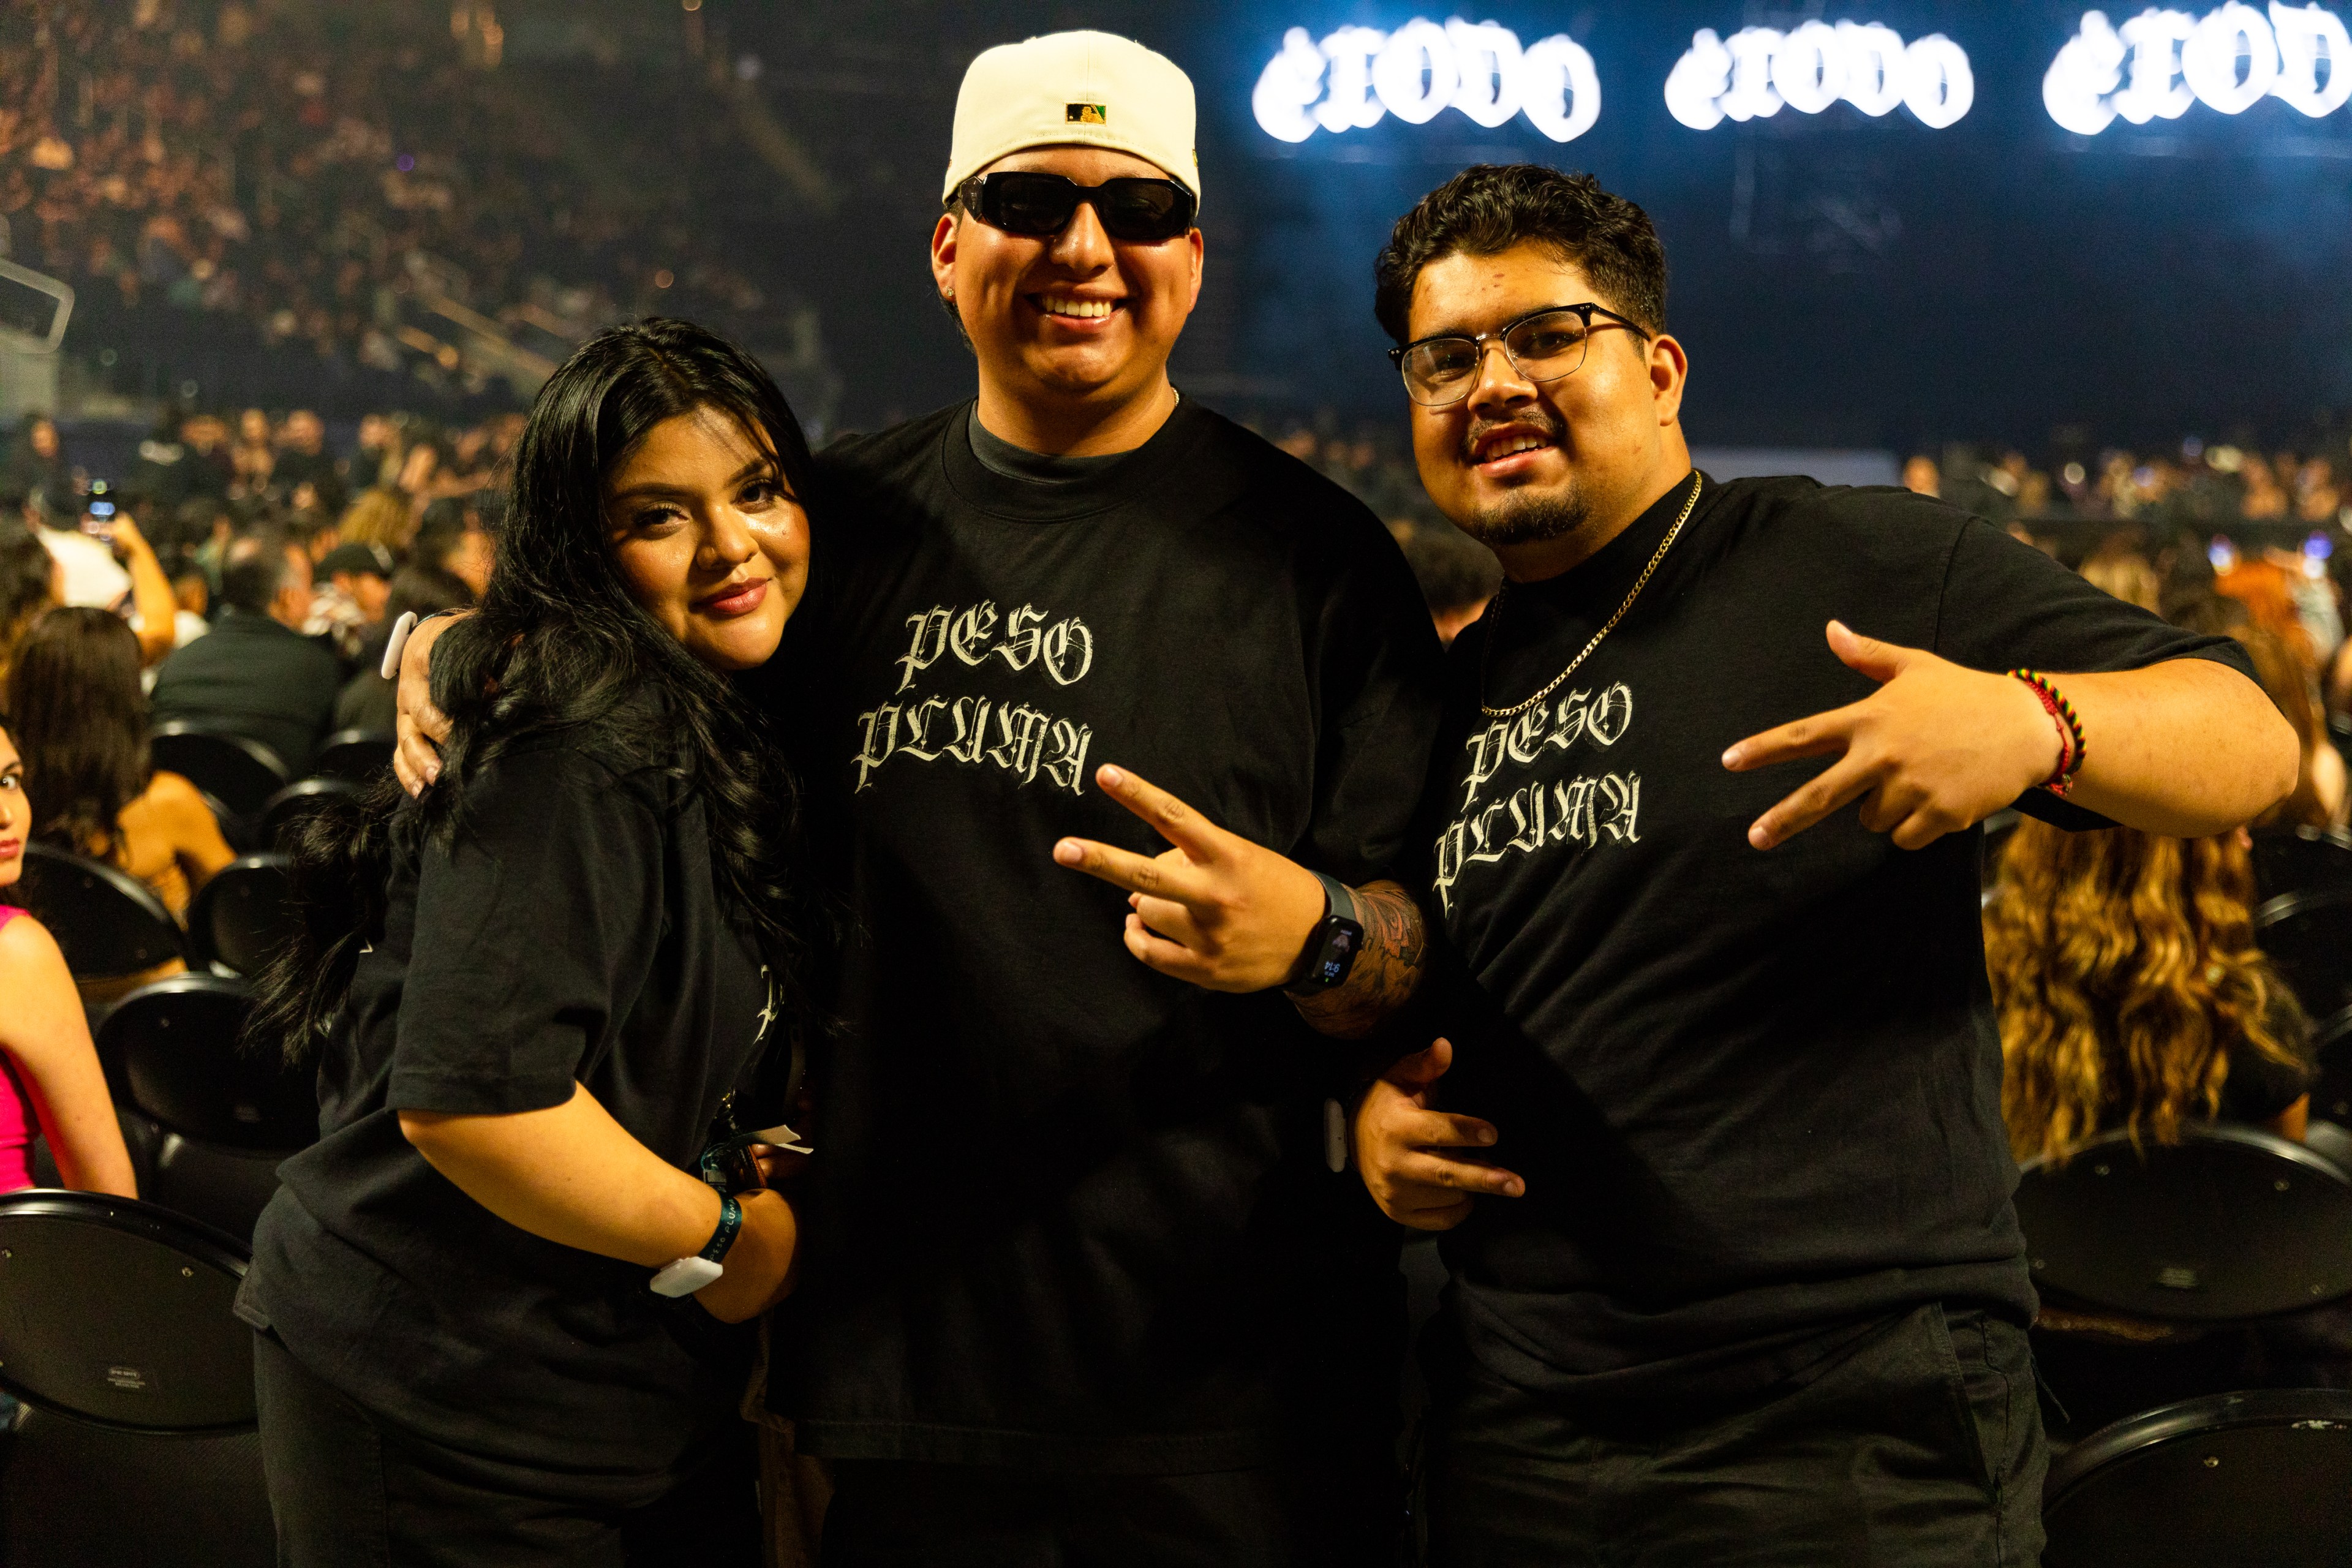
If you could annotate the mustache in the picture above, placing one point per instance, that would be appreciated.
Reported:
(1538, 416)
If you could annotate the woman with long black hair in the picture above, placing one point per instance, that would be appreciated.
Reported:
(545, 990)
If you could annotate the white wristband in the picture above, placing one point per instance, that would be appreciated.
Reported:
(397, 644)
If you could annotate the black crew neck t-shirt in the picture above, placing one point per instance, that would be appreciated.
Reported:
(569, 935)
(1755, 1095)
(1068, 1212)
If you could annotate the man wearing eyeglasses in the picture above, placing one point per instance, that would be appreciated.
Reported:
(1715, 1126)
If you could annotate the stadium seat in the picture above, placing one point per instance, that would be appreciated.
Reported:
(357, 756)
(2308, 935)
(2263, 1477)
(108, 923)
(2224, 1227)
(135, 1442)
(240, 917)
(2301, 860)
(228, 1115)
(239, 772)
(296, 801)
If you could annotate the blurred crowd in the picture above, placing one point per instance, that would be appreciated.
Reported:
(2193, 486)
(256, 570)
(320, 171)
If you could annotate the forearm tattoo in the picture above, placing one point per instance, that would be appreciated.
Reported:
(1385, 972)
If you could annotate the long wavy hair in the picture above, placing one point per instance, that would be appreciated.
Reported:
(560, 645)
(2124, 970)
(81, 727)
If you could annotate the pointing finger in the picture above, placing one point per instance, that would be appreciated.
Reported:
(1815, 735)
(1173, 820)
(1159, 876)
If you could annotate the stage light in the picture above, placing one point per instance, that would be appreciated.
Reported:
(1756, 71)
(1356, 76)
(2161, 62)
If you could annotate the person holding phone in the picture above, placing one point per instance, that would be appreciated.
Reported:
(546, 991)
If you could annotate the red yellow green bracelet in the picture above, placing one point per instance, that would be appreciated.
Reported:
(2071, 748)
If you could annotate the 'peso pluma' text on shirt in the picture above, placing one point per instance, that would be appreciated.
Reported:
(1027, 741)
(1586, 809)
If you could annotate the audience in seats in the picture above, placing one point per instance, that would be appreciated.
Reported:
(256, 675)
(50, 1082)
(81, 728)
(452, 538)
(2319, 798)
(2130, 992)
(381, 517)
(348, 606)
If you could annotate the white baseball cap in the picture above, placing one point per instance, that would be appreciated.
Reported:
(1086, 88)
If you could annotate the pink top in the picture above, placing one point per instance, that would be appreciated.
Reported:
(16, 1115)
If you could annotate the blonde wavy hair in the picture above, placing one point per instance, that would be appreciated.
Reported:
(2124, 971)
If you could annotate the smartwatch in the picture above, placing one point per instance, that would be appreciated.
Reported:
(685, 1275)
(1331, 951)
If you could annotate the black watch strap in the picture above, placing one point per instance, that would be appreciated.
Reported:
(1331, 951)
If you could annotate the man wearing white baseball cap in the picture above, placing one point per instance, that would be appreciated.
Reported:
(1081, 1283)
(1081, 1287)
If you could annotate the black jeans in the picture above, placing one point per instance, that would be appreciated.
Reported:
(892, 1514)
(1919, 1447)
(349, 1493)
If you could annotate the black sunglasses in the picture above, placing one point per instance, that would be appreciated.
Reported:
(1142, 211)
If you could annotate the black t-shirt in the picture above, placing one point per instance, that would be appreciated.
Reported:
(572, 934)
(1756, 1096)
(1066, 1210)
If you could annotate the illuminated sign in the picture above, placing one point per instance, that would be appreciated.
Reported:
(2159, 62)
(1357, 76)
(1757, 71)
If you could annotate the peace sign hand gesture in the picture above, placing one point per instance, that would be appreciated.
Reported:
(1214, 910)
(1937, 748)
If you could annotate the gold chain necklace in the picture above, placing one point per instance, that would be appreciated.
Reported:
(1486, 652)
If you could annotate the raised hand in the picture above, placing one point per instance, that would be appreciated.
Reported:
(1937, 748)
(1214, 910)
(1401, 1147)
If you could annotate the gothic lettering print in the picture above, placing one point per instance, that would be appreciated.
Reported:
(1505, 812)
(1031, 744)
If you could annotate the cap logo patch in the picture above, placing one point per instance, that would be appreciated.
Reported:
(1087, 113)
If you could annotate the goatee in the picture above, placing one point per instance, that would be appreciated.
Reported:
(1529, 519)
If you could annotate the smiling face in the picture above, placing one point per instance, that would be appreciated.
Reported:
(1075, 317)
(1544, 472)
(708, 539)
(16, 812)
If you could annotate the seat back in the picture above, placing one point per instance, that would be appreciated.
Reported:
(118, 1311)
(174, 1049)
(2308, 935)
(2230, 1224)
(75, 1495)
(2299, 859)
(243, 915)
(241, 774)
(297, 800)
(107, 922)
(2263, 1477)
(2331, 1046)
(225, 1188)
(357, 756)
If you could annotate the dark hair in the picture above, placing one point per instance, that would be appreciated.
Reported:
(424, 589)
(80, 726)
(1487, 208)
(559, 643)
(26, 572)
(256, 567)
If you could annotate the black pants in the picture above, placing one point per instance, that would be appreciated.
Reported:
(888, 1514)
(1920, 1447)
(349, 1493)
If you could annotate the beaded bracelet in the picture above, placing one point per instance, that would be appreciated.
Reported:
(2071, 747)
